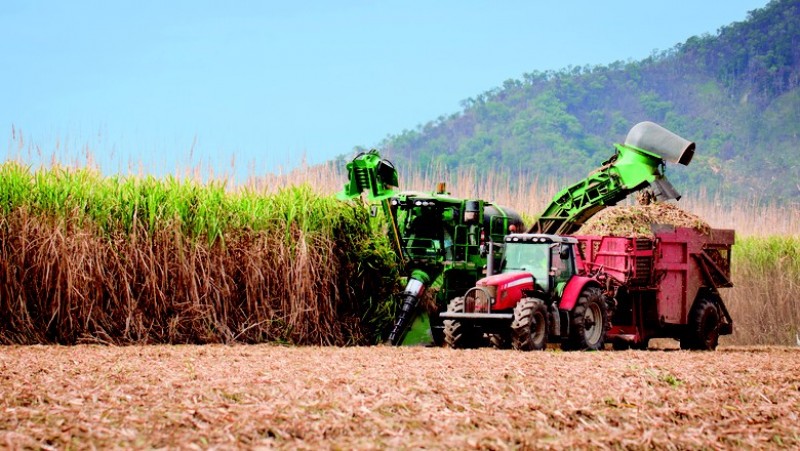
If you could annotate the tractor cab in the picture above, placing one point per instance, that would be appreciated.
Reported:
(549, 258)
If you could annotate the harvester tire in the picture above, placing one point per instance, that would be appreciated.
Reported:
(529, 328)
(702, 332)
(457, 334)
(589, 322)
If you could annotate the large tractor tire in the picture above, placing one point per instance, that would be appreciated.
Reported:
(589, 322)
(457, 334)
(702, 332)
(529, 328)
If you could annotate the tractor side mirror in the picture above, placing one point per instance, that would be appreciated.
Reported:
(564, 252)
(373, 211)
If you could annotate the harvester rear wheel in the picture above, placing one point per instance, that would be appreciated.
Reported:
(529, 329)
(589, 322)
(458, 334)
(702, 332)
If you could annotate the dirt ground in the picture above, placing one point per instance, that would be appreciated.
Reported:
(226, 397)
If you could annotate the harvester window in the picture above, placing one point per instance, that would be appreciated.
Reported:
(424, 234)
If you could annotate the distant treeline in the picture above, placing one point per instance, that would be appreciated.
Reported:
(735, 93)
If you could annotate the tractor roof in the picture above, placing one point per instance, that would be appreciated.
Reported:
(539, 238)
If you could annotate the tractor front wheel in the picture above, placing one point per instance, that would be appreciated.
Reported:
(529, 329)
(589, 322)
(458, 334)
(702, 332)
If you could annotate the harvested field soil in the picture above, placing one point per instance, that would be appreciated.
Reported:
(379, 397)
(636, 220)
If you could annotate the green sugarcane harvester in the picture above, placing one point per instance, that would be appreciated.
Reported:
(442, 241)
(438, 239)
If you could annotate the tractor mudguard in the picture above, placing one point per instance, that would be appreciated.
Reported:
(573, 291)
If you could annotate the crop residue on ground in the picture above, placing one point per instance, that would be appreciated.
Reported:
(381, 397)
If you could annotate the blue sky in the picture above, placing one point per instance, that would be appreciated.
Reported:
(166, 85)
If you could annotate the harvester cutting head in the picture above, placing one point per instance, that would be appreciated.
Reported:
(368, 171)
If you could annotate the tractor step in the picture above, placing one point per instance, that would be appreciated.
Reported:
(459, 315)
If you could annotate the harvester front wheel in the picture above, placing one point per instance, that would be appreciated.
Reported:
(529, 329)
(589, 322)
(702, 332)
(458, 334)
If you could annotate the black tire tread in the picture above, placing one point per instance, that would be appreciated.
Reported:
(458, 335)
(696, 337)
(525, 316)
(577, 336)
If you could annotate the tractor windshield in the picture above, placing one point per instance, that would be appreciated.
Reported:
(528, 257)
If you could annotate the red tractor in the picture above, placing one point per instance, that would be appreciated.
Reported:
(539, 296)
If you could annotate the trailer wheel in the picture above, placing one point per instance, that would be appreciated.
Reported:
(529, 329)
(589, 322)
(702, 332)
(457, 334)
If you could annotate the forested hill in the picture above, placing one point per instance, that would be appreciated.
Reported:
(735, 93)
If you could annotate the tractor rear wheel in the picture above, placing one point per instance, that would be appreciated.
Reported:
(589, 322)
(458, 334)
(529, 329)
(702, 332)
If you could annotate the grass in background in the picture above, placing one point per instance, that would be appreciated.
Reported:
(764, 302)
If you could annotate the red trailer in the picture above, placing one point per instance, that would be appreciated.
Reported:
(584, 291)
(664, 286)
